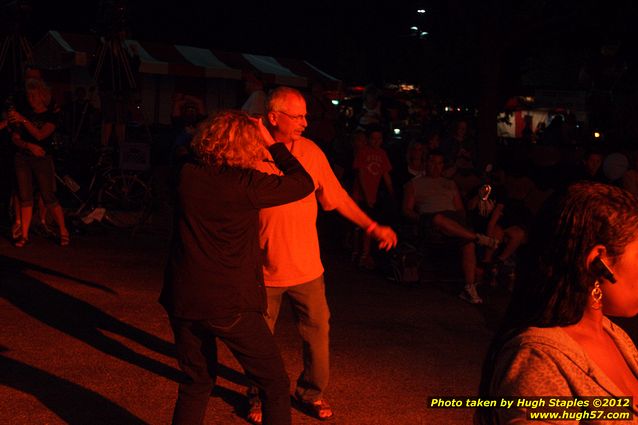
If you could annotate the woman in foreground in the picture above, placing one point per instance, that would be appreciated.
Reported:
(580, 267)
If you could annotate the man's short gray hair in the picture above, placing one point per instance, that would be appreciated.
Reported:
(278, 97)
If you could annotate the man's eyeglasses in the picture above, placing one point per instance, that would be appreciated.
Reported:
(294, 117)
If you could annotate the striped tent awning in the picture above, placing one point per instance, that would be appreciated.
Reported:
(57, 50)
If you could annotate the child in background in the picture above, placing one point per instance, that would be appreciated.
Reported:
(371, 165)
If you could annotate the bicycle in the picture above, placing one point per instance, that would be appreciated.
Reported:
(119, 197)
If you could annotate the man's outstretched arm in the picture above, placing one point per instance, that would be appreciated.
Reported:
(384, 234)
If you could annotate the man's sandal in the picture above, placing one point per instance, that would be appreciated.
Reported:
(318, 409)
(254, 415)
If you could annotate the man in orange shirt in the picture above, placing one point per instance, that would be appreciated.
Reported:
(292, 263)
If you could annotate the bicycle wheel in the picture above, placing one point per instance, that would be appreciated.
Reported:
(127, 200)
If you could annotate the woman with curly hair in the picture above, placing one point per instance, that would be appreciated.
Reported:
(213, 284)
(581, 266)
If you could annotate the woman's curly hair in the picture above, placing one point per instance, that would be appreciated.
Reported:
(230, 138)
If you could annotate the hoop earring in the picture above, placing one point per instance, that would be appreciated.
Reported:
(597, 295)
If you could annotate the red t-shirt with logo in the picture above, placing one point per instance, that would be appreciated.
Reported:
(372, 163)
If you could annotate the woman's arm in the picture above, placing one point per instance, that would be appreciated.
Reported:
(22, 144)
(39, 133)
(269, 190)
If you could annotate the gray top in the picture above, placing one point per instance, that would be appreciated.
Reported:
(548, 362)
(433, 195)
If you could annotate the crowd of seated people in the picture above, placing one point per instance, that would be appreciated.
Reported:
(433, 179)
(488, 233)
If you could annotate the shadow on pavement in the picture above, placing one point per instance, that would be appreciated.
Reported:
(79, 319)
(73, 403)
(238, 401)
(86, 322)
(18, 265)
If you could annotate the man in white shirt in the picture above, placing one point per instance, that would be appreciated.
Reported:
(434, 200)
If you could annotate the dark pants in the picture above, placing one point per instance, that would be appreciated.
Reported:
(42, 168)
(253, 345)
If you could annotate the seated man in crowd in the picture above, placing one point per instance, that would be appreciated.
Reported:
(434, 200)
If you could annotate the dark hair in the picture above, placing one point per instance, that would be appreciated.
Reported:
(553, 281)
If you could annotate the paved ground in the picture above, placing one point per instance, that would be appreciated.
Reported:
(84, 341)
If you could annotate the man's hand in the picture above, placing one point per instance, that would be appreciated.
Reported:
(386, 237)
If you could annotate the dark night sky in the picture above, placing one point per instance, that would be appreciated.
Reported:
(364, 41)
(353, 39)
(332, 34)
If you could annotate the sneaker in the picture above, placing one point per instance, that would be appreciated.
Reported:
(487, 241)
(470, 295)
